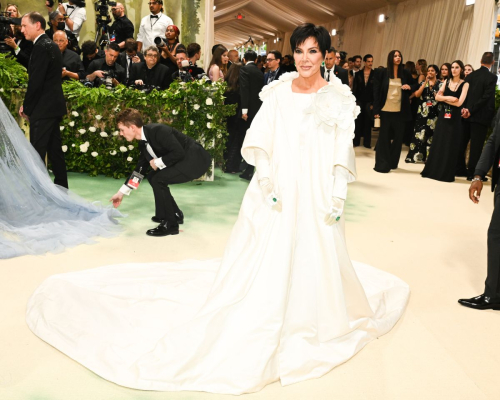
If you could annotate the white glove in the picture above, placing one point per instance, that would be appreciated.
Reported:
(336, 211)
(271, 197)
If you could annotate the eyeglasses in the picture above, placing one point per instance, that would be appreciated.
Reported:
(150, 55)
(270, 59)
(152, 3)
(337, 57)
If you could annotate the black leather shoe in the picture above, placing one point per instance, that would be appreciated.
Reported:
(481, 302)
(246, 177)
(164, 229)
(179, 217)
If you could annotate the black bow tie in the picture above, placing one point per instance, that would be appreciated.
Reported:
(153, 16)
(70, 6)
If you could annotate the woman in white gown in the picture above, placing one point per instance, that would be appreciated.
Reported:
(284, 303)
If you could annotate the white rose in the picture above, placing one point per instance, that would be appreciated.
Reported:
(92, 129)
(82, 131)
(175, 112)
(87, 144)
(123, 149)
(72, 124)
(130, 147)
(98, 117)
(129, 159)
(61, 128)
(219, 136)
(209, 125)
(196, 106)
(209, 101)
(94, 154)
(64, 148)
(112, 152)
(73, 145)
(74, 114)
(115, 133)
(191, 122)
(103, 134)
(1, 90)
(83, 148)
(209, 116)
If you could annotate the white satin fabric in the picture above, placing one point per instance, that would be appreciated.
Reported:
(284, 303)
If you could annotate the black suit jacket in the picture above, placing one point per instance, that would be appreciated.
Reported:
(480, 99)
(251, 83)
(44, 97)
(339, 72)
(280, 72)
(175, 149)
(381, 87)
(361, 90)
(122, 60)
(73, 63)
(490, 155)
(158, 76)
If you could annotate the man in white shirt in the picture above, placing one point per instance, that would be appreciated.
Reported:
(74, 15)
(153, 25)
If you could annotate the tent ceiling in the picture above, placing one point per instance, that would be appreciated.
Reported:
(265, 19)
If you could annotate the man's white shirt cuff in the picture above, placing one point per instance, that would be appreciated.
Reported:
(125, 190)
(244, 111)
(159, 163)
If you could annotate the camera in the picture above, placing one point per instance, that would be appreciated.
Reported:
(146, 89)
(160, 42)
(108, 79)
(88, 84)
(102, 11)
(5, 31)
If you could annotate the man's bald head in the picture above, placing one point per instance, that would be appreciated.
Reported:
(61, 39)
(233, 56)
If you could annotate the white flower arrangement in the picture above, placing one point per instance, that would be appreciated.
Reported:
(72, 124)
(82, 131)
(209, 125)
(1, 90)
(115, 133)
(92, 129)
(84, 147)
(98, 117)
(175, 112)
(209, 101)
(74, 113)
(130, 147)
(61, 128)
(94, 154)
(129, 159)
(73, 145)
(123, 149)
(113, 152)
(196, 107)
(103, 134)
(210, 116)
(64, 148)
(191, 122)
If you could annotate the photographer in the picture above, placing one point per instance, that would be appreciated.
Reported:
(74, 14)
(20, 47)
(130, 56)
(72, 65)
(56, 22)
(90, 52)
(122, 29)
(153, 25)
(150, 74)
(194, 54)
(183, 67)
(100, 69)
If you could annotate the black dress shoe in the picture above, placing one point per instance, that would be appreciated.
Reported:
(246, 177)
(164, 229)
(382, 172)
(179, 217)
(481, 302)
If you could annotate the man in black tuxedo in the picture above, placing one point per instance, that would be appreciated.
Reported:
(362, 88)
(72, 65)
(129, 57)
(173, 157)
(251, 83)
(273, 61)
(331, 68)
(490, 157)
(477, 113)
(194, 55)
(150, 74)
(44, 103)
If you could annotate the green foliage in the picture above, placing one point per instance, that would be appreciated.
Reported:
(190, 25)
(89, 134)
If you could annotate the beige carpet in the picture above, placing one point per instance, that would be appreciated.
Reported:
(428, 233)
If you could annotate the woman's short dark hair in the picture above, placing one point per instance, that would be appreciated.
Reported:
(390, 64)
(462, 68)
(129, 116)
(410, 66)
(435, 68)
(305, 31)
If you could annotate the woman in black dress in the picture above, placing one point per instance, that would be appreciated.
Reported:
(443, 156)
(427, 114)
(168, 52)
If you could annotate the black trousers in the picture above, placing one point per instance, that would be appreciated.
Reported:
(232, 155)
(492, 284)
(165, 205)
(390, 141)
(476, 133)
(364, 124)
(249, 170)
(45, 136)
